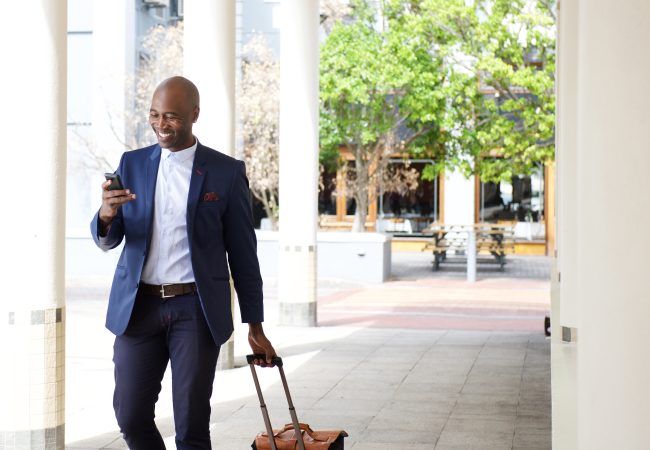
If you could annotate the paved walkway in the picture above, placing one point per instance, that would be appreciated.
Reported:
(424, 361)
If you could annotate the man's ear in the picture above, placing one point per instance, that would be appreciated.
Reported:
(196, 112)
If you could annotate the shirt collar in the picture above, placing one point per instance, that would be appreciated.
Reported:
(181, 155)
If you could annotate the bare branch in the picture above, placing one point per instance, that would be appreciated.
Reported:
(258, 105)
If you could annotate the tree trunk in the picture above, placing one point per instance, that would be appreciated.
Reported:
(360, 193)
(359, 224)
(269, 206)
(269, 215)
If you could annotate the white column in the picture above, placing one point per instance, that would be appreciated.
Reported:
(459, 199)
(613, 242)
(32, 311)
(298, 161)
(566, 157)
(564, 276)
(209, 62)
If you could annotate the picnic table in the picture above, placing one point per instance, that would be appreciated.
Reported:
(490, 239)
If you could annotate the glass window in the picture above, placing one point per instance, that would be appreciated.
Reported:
(419, 206)
(519, 202)
(327, 193)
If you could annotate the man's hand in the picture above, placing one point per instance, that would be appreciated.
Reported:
(260, 345)
(111, 201)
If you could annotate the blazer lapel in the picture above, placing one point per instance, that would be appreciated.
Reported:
(151, 175)
(196, 185)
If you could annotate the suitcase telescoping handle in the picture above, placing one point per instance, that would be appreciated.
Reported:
(277, 361)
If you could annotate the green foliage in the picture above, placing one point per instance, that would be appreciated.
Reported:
(353, 89)
(515, 50)
(382, 92)
(469, 84)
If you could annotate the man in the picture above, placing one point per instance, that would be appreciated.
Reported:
(170, 298)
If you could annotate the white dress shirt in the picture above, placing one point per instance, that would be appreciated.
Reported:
(169, 259)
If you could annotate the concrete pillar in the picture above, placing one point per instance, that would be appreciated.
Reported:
(564, 276)
(298, 161)
(613, 242)
(32, 309)
(566, 157)
(209, 61)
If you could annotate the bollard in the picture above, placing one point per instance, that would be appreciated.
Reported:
(471, 255)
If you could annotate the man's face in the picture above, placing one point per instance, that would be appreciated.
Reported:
(171, 116)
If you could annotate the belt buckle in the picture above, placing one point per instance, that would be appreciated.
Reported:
(162, 291)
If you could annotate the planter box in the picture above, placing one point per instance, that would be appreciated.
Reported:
(363, 257)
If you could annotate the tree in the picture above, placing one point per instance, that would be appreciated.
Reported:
(259, 113)
(332, 12)
(382, 92)
(518, 63)
(469, 84)
(162, 57)
(501, 56)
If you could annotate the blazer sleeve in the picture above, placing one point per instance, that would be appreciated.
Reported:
(241, 245)
(116, 230)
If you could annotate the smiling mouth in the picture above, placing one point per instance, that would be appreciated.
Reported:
(164, 135)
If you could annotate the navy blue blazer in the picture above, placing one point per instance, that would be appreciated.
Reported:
(220, 234)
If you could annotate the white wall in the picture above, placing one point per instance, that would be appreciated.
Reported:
(612, 361)
(459, 199)
(113, 60)
(564, 279)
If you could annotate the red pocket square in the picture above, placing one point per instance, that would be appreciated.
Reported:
(210, 197)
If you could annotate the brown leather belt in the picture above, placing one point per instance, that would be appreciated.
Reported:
(167, 290)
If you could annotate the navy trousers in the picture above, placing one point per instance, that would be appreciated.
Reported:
(162, 330)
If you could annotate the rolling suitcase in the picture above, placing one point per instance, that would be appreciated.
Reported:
(286, 438)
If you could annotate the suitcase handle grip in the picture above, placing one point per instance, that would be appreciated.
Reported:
(276, 360)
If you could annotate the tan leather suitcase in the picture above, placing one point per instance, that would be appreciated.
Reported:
(286, 438)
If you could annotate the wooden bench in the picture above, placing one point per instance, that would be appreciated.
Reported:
(491, 239)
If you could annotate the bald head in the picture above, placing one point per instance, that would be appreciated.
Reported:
(183, 87)
(174, 109)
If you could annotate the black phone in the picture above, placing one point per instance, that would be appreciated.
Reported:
(116, 181)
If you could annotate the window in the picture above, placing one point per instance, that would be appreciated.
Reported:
(519, 201)
(176, 8)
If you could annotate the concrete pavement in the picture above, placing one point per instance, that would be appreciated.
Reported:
(425, 361)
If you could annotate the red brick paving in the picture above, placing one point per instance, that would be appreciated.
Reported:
(503, 304)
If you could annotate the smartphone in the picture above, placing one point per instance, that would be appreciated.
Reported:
(116, 181)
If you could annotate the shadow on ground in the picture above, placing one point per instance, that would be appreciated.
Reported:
(389, 381)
